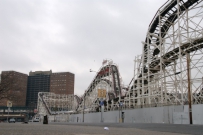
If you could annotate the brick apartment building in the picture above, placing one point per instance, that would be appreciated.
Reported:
(62, 83)
(23, 89)
(15, 88)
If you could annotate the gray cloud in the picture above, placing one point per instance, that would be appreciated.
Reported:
(73, 35)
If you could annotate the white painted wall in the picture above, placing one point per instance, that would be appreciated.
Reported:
(166, 114)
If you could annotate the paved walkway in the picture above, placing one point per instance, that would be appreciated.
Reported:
(158, 127)
(58, 129)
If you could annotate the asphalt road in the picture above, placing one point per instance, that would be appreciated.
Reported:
(98, 129)
(169, 128)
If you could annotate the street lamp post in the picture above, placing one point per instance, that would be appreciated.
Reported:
(9, 104)
(120, 104)
(8, 113)
(84, 109)
(119, 114)
(102, 109)
(189, 91)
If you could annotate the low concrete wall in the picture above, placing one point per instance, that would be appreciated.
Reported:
(166, 114)
(197, 114)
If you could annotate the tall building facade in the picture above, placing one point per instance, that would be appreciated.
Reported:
(38, 81)
(62, 83)
(46, 81)
(13, 87)
(22, 90)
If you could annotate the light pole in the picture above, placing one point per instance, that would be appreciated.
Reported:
(8, 113)
(102, 109)
(119, 115)
(189, 91)
(83, 110)
(122, 113)
(120, 105)
(9, 104)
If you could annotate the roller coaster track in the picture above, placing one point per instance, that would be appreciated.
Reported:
(52, 104)
(103, 75)
(153, 65)
(40, 95)
(164, 19)
(154, 61)
(104, 72)
(171, 56)
(166, 16)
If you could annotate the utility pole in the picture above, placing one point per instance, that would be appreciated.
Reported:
(189, 91)
(8, 113)
(119, 114)
(102, 109)
(9, 104)
(84, 110)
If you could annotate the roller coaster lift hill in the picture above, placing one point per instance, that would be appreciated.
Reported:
(168, 72)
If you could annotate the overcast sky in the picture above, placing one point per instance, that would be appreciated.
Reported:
(73, 35)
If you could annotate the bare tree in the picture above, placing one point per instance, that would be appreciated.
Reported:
(11, 87)
(6, 86)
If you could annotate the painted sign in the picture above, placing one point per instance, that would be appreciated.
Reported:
(101, 93)
(9, 103)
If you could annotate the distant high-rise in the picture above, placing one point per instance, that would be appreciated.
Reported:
(62, 83)
(14, 85)
(23, 90)
(46, 81)
(38, 81)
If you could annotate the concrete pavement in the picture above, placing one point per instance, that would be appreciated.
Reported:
(170, 128)
(80, 129)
